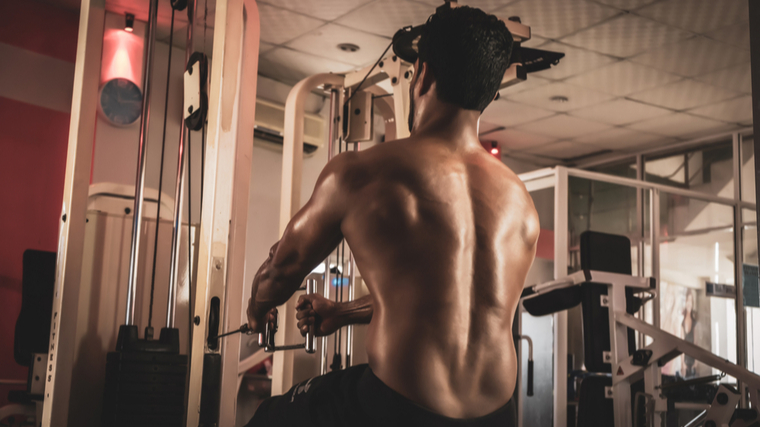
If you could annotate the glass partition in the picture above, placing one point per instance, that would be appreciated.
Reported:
(706, 169)
(696, 248)
(751, 289)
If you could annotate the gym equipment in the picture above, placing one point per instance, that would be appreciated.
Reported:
(266, 339)
(607, 294)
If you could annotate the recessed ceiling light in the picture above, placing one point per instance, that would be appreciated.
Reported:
(348, 47)
(559, 98)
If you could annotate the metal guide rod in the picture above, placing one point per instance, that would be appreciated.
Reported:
(179, 195)
(332, 127)
(311, 288)
(140, 180)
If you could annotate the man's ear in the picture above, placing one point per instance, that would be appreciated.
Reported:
(425, 78)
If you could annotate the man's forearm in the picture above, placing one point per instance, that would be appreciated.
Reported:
(357, 311)
(271, 288)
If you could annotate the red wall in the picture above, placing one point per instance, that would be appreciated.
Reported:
(33, 143)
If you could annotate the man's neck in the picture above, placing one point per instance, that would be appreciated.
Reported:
(449, 121)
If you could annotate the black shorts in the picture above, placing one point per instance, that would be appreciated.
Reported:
(356, 397)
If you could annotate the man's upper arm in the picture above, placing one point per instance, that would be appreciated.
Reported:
(316, 229)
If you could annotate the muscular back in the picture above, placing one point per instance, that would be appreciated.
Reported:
(444, 235)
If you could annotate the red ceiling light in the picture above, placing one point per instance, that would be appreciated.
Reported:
(129, 25)
(493, 148)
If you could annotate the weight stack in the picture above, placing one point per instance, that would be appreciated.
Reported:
(145, 381)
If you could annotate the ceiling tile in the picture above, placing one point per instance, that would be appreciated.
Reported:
(564, 150)
(385, 17)
(699, 16)
(623, 78)
(737, 35)
(507, 113)
(291, 66)
(680, 125)
(324, 42)
(626, 36)
(556, 18)
(280, 25)
(620, 112)
(737, 78)
(532, 82)
(488, 6)
(683, 95)
(563, 126)
(737, 110)
(577, 96)
(623, 139)
(322, 9)
(265, 47)
(575, 61)
(626, 4)
(511, 139)
(698, 55)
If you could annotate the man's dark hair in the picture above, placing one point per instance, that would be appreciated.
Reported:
(468, 52)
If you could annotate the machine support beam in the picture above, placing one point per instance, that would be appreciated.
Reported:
(71, 227)
(290, 203)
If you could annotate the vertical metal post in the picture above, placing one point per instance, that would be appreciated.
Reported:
(654, 238)
(640, 222)
(140, 180)
(754, 47)
(561, 214)
(179, 195)
(331, 132)
(741, 335)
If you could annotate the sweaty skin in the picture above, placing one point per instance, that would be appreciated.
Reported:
(443, 235)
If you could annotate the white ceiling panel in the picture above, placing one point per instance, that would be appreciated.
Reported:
(699, 16)
(684, 95)
(488, 6)
(619, 112)
(680, 125)
(322, 9)
(626, 36)
(737, 78)
(291, 66)
(563, 126)
(576, 61)
(485, 127)
(577, 97)
(737, 35)
(623, 139)
(564, 150)
(507, 113)
(626, 4)
(279, 25)
(556, 18)
(623, 78)
(385, 17)
(692, 57)
(737, 110)
(324, 42)
(515, 140)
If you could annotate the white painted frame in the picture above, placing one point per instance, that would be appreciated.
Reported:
(557, 178)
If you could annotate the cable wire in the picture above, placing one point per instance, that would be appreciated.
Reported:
(161, 172)
(369, 72)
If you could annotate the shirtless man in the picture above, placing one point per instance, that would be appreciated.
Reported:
(443, 234)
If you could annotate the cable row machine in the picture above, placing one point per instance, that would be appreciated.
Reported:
(147, 381)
